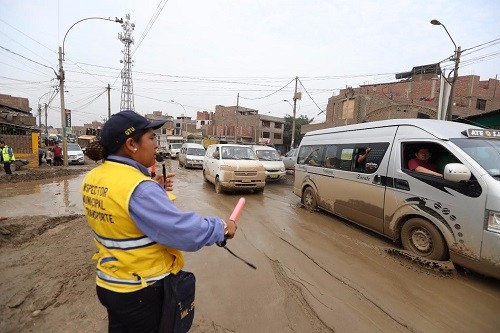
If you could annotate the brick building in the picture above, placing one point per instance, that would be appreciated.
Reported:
(415, 97)
(18, 128)
(244, 125)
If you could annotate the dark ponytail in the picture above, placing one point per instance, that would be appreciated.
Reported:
(96, 151)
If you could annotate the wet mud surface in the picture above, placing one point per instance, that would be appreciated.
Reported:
(315, 273)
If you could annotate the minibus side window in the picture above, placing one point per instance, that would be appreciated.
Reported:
(311, 155)
(369, 162)
(331, 160)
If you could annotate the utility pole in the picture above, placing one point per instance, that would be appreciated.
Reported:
(40, 123)
(63, 118)
(237, 117)
(449, 111)
(109, 101)
(46, 128)
(295, 97)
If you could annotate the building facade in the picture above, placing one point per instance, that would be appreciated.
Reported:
(415, 97)
(18, 128)
(243, 125)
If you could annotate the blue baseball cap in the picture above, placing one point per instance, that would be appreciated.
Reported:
(123, 125)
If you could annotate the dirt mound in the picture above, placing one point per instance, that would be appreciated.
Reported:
(43, 173)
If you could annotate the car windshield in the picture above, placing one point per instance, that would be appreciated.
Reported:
(268, 155)
(196, 151)
(238, 153)
(73, 147)
(484, 152)
(176, 145)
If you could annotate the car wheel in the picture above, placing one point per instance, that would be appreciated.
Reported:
(259, 190)
(309, 198)
(218, 187)
(422, 238)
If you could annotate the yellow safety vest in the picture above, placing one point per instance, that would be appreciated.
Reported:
(5, 154)
(127, 259)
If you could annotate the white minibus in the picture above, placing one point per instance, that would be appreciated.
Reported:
(432, 185)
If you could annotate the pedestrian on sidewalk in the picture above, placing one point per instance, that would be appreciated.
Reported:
(49, 156)
(7, 157)
(57, 154)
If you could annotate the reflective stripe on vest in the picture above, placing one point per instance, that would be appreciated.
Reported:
(124, 244)
(105, 277)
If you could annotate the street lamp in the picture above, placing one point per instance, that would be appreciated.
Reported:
(182, 115)
(292, 142)
(61, 83)
(40, 110)
(456, 58)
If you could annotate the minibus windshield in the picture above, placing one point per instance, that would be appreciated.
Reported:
(483, 151)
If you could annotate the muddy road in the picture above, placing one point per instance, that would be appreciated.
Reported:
(315, 273)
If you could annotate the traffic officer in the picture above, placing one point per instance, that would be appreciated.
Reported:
(138, 231)
(7, 157)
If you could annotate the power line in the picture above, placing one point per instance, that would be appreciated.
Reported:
(252, 99)
(150, 24)
(36, 62)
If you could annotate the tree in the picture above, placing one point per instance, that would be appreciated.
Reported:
(287, 131)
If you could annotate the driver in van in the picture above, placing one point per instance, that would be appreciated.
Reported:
(421, 162)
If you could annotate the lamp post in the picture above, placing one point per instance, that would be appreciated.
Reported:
(182, 115)
(61, 83)
(456, 58)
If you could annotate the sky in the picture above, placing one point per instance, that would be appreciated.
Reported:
(191, 55)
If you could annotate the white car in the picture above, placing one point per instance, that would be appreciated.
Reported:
(290, 158)
(75, 154)
(233, 167)
(271, 160)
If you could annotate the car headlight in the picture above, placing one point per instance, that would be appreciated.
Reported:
(494, 222)
(282, 169)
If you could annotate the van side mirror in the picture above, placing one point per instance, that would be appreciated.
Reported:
(456, 172)
(215, 154)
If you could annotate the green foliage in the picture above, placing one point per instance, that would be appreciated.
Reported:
(287, 133)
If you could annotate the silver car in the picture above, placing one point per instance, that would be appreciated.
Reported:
(75, 154)
(290, 158)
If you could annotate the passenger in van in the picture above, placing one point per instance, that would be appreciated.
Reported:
(421, 162)
(363, 153)
(313, 158)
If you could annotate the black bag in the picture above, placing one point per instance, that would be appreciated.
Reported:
(178, 304)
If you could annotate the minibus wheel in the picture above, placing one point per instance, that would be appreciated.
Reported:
(205, 176)
(421, 237)
(309, 198)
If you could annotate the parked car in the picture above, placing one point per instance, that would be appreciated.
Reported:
(75, 154)
(191, 155)
(290, 158)
(233, 167)
(271, 160)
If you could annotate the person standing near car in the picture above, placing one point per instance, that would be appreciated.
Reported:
(7, 157)
(57, 154)
(139, 232)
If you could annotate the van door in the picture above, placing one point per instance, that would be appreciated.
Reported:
(359, 192)
(456, 209)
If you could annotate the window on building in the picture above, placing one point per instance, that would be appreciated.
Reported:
(265, 135)
(481, 104)
(348, 109)
(277, 136)
(278, 125)
(266, 124)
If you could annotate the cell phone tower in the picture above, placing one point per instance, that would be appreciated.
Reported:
(127, 101)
